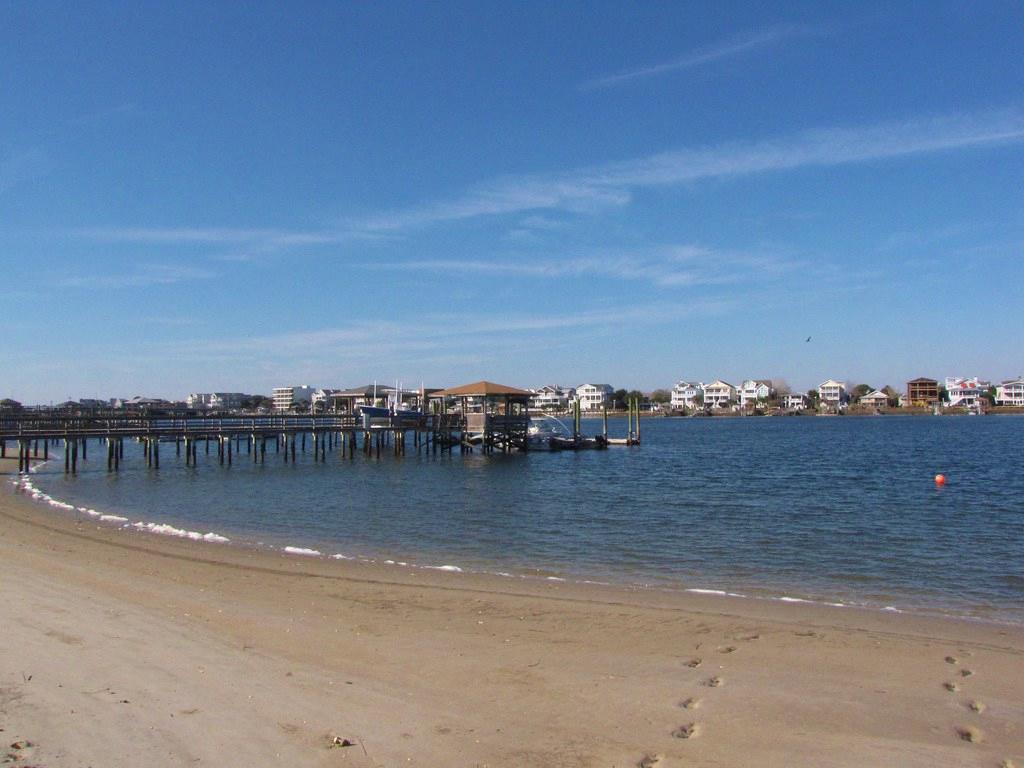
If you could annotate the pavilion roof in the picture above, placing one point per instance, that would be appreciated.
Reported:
(483, 389)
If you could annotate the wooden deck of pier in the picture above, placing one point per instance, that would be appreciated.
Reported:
(229, 435)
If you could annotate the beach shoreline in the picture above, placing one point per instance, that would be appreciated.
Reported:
(885, 600)
(124, 648)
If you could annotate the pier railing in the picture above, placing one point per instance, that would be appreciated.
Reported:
(38, 425)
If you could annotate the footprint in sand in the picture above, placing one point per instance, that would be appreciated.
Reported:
(690, 703)
(727, 649)
(951, 687)
(649, 761)
(966, 673)
(952, 660)
(1007, 764)
(693, 663)
(687, 731)
(976, 706)
(969, 733)
(714, 682)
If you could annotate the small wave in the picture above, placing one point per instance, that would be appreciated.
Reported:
(303, 551)
(451, 568)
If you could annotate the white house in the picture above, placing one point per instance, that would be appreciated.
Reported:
(752, 390)
(286, 397)
(594, 397)
(199, 400)
(718, 393)
(1011, 392)
(875, 399)
(794, 402)
(833, 394)
(965, 393)
(553, 397)
(684, 394)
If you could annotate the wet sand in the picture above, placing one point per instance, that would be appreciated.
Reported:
(125, 649)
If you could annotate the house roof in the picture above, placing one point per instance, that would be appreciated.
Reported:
(484, 389)
(875, 394)
(718, 383)
(832, 383)
(923, 380)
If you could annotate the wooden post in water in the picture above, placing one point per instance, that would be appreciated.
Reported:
(85, 448)
(110, 454)
(230, 447)
(74, 457)
(46, 449)
(67, 456)
(156, 451)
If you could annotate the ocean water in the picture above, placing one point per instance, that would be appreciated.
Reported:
(840, 509)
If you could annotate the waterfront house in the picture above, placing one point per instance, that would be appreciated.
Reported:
(719, 394)
(876, 399)
(215, 401)
(1011, 392)
(685, 394)
(753, 390)
(833, 394)
(922, 393)
(286, 397)
(594, 397)
(552, 397)
(794, 402)
(965, 393)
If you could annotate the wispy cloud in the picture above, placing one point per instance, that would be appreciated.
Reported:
(387, 343)
(211, 236)
(613, 184)
(724, 49)
(675, 266)
(145, 275)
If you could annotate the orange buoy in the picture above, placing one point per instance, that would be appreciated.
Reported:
(940, 479)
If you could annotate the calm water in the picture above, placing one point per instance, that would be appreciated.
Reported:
(836, 509)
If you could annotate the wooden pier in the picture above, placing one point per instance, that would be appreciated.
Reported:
(230, 437)
(490, 416)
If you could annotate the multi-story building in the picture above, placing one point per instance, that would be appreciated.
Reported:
(321, 399)
(215, 401)
(922, 393)
(553, 397)
(753, 390)
(286, 397)
(794, 402)
(685, 394)
(875, 399)
(1011, 392)
(719, 394)
(833, 394)
(227, 401)
(965, 393)
(594, 397)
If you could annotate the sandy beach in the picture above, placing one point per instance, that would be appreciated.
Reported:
(129, 649)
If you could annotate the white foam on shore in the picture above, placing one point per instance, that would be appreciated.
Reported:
(785, 599)
(303, 551)
(716, 592)
(169, 530)
(340, 556)
(450, 568)
(162, 529)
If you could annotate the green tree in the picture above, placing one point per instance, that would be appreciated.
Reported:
(619, 399)
(860, 390)
(661, 396)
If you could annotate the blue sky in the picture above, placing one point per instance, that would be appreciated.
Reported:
(199, 197)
